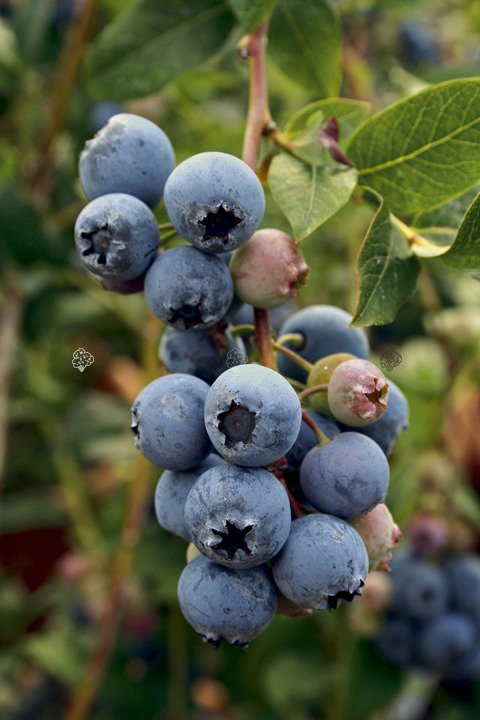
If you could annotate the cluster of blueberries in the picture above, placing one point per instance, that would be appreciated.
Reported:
(433, 622)
(267, 493)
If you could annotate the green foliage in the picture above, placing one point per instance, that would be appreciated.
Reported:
(250, 13)
(465, 250)
(387, 269)
(305, 44)
(309, 194)
(417, 153)
(348, 113)
(151, 43)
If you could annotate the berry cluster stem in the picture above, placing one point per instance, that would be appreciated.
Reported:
(319, 434)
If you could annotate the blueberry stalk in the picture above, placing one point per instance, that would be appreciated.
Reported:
(295, 357)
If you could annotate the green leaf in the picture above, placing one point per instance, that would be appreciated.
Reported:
(465, 250)
(422, 151)
(152, 42)
(387, 269)
(309, 194)
(349, 113)
(304, 42)
(250, 13)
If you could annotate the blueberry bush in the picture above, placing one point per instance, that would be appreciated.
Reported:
(239, 360)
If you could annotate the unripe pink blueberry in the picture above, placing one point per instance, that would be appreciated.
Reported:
(380, 533)
(357, 393)
(428, 534)
(268, 269)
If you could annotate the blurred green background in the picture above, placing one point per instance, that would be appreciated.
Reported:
(76, 511)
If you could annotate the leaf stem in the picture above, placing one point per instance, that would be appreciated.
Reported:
(295, 339)
(409, 233)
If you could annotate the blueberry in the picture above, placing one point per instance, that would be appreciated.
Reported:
(268, 269)
(464, 578)
(116, 237)
(188, 289)
(420, 589)
(307, 439)
(252, 415)
(357, 393)
(167, 422)
(397, 641)
(215, 201)
(225, 604)
(466, 667)
(347, 476)
(445, 639)
(380, 533)
(418, 44)
(326, 331)
(238, 517)
(388, 427)
(205, 354)
(242, 314)
(171, 492)
(129, 155)
(323, 562)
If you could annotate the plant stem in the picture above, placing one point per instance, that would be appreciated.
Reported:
(113, 608)
(295, 357)
(295, 339)
(319, 434)
(312, 391)
(72, 55)
(10, 320)
(241, 330)
(259, 121)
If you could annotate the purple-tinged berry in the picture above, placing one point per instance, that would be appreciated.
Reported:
(357, 393)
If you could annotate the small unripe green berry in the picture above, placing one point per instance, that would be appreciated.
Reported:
(268, 269)
(357, 393)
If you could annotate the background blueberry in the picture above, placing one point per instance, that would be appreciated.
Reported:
(171, 492)
(346, 477)
(117, 237)
(397, 641)
(323, 561)
(225, 604)
(388, 427)
(202, 353)
(325, 330)
(167, 422)
(238, 517)
(463, 572)
(188, 289)
(129, 155)
(446, 638)
(215, 201)
(420, 590)
(252, 415)
(102, 112)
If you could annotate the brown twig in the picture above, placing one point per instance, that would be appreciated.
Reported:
(264, 339)
(319, 434)
(69, 64)
(10, 319)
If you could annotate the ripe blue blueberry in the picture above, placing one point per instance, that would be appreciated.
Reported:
(397, 641)
(325, 330)
(307, 439)
(215, 201)
(238, 517)
(116, 237)
(420, 590)
(225, 604)
(446, 639)
(388, 427)
(171, 492)
(188, 289)
(204, 354)
(464, 577)
(323, 562)
(347, 476)
(129, 155)
(167, 422)
(252, 415)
